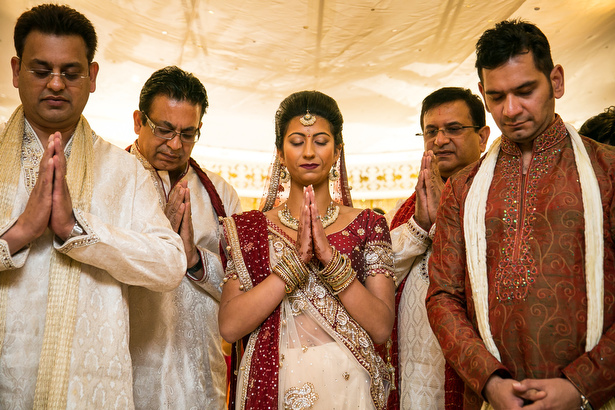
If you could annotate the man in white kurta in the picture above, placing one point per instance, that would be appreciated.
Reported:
(455, 134)
(175, 342)
(127, 240)
(78, 224)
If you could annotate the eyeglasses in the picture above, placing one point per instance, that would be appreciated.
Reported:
(43, 74)
(186, 137)
(453, 131)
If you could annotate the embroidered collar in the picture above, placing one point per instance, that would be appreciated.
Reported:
(555, 133)
(31, 136)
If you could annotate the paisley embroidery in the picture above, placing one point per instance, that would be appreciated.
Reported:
(300, 398)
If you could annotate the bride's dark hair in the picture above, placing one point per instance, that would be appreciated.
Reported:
(298, 104)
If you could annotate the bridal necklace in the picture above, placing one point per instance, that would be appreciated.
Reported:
(333, 211)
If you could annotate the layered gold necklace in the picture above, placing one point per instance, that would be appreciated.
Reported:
(333, 211)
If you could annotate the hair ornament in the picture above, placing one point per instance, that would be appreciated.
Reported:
(307, 119)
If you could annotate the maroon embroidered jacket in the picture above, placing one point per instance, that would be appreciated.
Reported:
(535, 266)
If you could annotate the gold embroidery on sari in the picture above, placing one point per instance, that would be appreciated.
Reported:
(300, 398)
(236, 255)
(312, 296)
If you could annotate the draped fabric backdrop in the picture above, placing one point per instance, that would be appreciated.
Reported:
(378, 59)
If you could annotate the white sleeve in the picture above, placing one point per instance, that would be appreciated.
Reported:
(134, 241)
(409, 241)
(18, 259)
(213, 273)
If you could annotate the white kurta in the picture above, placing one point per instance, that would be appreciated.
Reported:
(128, 241)
(175, 342)
(421, 362)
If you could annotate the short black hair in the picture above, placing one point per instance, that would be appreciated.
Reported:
(510, 38)
(56, 20)
(176, 84)
(601, 127)
(298, 104)
(449, 94)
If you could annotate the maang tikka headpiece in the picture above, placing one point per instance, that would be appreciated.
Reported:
(307, 119)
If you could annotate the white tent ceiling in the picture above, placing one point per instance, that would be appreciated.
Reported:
(378, 59)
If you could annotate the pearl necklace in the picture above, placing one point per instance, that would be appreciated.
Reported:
(333, 211)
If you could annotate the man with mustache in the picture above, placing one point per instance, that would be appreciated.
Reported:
(175, 342)
(455, 134)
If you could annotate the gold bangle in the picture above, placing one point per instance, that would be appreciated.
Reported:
(334, 263)
(288, 286)
(338, 273)
(348, 278)
(292, 271)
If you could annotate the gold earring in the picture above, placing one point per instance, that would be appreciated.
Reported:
(284, 175)
(334, 174)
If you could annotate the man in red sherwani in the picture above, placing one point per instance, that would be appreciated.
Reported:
(522, 275)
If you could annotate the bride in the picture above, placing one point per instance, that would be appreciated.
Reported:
(310, 280)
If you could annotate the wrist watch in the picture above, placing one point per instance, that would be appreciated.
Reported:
(585, 403)
(197, 267)
(77, 231)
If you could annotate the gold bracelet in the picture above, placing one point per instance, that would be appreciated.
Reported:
(292, 271)
(334, 264)
(338, 273)
(345, 281)
(288, 276)
(288, 287)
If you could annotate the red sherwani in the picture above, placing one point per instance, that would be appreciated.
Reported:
(535, 266)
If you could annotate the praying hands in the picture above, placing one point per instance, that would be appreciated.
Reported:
(49, 204)
(428, 191)
(179, 212)
(311, 238)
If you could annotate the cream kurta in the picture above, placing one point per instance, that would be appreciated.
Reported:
(128, 241)
(421, 362)
(175, 342)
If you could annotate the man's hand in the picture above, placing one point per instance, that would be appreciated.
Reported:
(548, 394)
(62, 218)
(179, 213)
(433, 185)
(501, 395)
(32, 223)
(186, 232)
(175, 208)
(428, 191)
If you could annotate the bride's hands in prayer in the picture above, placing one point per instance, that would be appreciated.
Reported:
(304, 245)
(311, 238)
(320, 243)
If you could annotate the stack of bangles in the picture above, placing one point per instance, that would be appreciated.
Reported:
(292, 271)
(338, 273)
